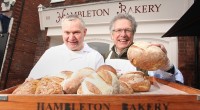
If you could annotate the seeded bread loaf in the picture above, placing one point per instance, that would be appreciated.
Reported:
(49, 85)
(28, 87)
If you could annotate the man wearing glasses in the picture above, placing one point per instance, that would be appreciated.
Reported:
(123, 28)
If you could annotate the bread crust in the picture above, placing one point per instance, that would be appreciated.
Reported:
(146, 56)
(108, 68)
(28, 87)
(49, 85)
(103, 82)
(137, 81)
(71, 85)
(125, 88)
(92, 88)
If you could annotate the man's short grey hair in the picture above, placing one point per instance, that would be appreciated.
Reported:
(72, 18)
(123, 16)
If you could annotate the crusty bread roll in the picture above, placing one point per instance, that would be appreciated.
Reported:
(103, 82)
(125, 88)
(94, 85)
(107, 68)
(137, 81)
(71, 85)
(111, 79)
(49, 85)
(28, 87)
(146, 56)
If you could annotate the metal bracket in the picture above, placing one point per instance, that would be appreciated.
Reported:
(3, 98)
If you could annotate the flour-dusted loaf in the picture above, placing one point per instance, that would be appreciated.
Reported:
(45, 85)
(110, 78)
(28, 87)
(103, 82)
(137, 81)
(49, 85)
(146, 56)
(71, 85)
(94, 84)
(107, 68)
(125, 88)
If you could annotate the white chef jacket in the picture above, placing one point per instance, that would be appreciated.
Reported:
(60, 58)
(123, 66)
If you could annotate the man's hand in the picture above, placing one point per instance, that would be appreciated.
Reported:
(168, 65)
(161, 46)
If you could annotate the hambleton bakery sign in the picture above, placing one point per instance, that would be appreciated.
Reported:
(103, 12)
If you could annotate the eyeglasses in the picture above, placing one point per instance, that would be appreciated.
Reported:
(119, 31)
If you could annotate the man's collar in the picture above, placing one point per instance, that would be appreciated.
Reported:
(123, 51)
(85, 48)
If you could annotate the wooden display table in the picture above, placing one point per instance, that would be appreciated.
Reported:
(163, 95)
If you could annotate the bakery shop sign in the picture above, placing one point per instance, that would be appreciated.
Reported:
(103, 12)
(151, 8)
(100, 106)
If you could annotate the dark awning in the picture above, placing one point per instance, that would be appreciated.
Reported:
(188, 24)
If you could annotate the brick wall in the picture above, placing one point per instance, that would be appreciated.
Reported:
(186, 60)
(27, 43)
(22, 44)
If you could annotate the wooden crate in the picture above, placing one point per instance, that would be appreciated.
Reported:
(163, 95)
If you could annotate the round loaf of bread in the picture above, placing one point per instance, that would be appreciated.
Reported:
(49, 85)
(107, 68)
(103, 82)
(146, 56)
(137, 81)
(111, 79)
(125, 88)
(28, 87)
(94, 85)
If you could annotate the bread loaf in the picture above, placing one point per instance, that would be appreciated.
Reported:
(125, 88)
(49, 85)
(137, 81)
(71, 85)
(45, 85)
(28, 87)
(94, 85)
(103, 82)
(107, 68)
(146, 56)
